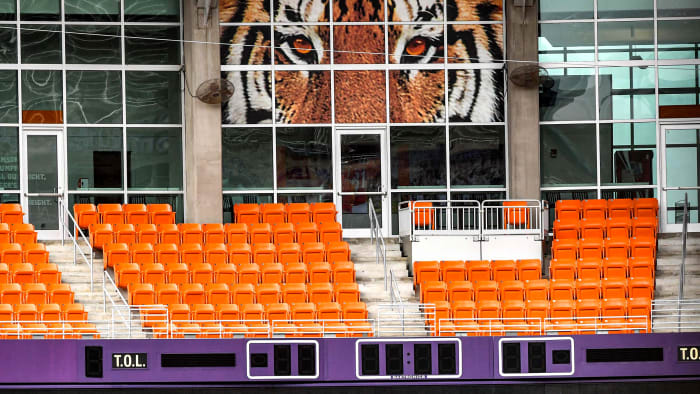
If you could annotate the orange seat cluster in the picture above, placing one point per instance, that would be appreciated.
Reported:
(87, 216)
(320, 212)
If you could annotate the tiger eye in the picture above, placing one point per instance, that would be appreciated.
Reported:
(416, 46)
(302, 45)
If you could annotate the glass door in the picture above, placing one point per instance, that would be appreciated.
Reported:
(361, 165)
(42, 180)
(681, 175)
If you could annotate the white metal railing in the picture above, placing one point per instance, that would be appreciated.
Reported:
(66, 217)
(684, 241)
(540, 326)
(378, 240)
(394, 292)
(405, 319)
(109, 289)
(675, 315)
(468, 217)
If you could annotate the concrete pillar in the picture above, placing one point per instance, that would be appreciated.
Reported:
(523, 103)
(203, 191)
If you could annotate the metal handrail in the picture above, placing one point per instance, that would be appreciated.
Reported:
(377, 239)
(684, 240)
(107, 279)
(65, 213)
(394, 290)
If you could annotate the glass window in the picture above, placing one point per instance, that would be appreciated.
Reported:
(8, 96)
(94, 96)
(668, 8)
(153, 97)
(568, 155)
(302, 97)
(9, 198)
(250, 102)
(477, 156)
(304, 158)
(465, 43)
(93, 45)
(628, 153)
(230, 200)
(152, 11)
(238, 35)
(42, 96)
(294, 44)
(566, 9)
(246, 155)
(417, 157)
(8, 44)
(160, 44)
(566, 42)
(627, 93)
(92, 10)
(471, 103)
(358, 44)
(397, 198)
(609, 194)
(9, 158)
(94, 158)
(625, 9)
(175, 201)
(41, 44)
(307, 198)
(678, 39)
(678, 85)
(40, 10)
(418, 96)
(626, 40)
(8, 10)
(372, 96)
(416, 44)
(154, 158)
(567, 94)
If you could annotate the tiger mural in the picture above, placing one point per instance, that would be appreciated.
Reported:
(303, 88)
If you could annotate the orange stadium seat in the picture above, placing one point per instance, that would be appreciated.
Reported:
(7, 313)
(278, 312)
(329, 311)
(489, 315)
(319, 272)
(460, 290)
(478, 270)
(330, 232)
(295, 273)
(615, 267)
(141, 294)
(10, 293)
(298, 212)
(203, 312)
(432, 291)
(337, 251)
(306, 232)
(201, 273)
(512, 290)
(423, 215)
(529, 269)
(177, 273)
(588, 289)
(346, 292)
(60, 293)
(304, 311)
(537, 289)
(47, 273)
(11, 213)
(272, 213)
(503, 270)
(514, 317)
(236, 233)
(168, 233)
(259, 233)
(640, 288)
(101, 234)
(536, 314)
(142, 254)
(49, 312)
(323, 212)
(179, 312)
(617, 248)
(453, 271)
(264, 253)
(249, 273)
(246, 213)
(593, 228)
(562, 269)
(485, 290)
(239, 253)
(613, 313)
(517, 218)
(23, 233)
(152, 273)
(166, 254)
(293, 293)
(4, 273)
(562, 313)
(191, 233)
(242, 293)
(587, 315)
(619, 228)
(252, 312)
(217, 293)
(620, 208)
(127, 273)
(191, 254)
(645, 227)
(160, 214)
(22, 273)
(35, 253)
(268, 293)
(215, 253)
(641, 267)
(74, 312)
(424, 271)
(192, 293)
(34, 293)
(313, 252)
(463, 315)
(594, 209)
(283, 233)
(146, 233)
(110, 213)
(442, 319)
(614, 288)
(566, 229)
(639, 315)
(566, 249)
(320, 292)
(225, 273)
(167, 293)
(288, 253)
(562, 289)
(227, 313)
(5, 235)
(568, 209)
(343, 272)
(590, 248)
(26, 312)
(589, 269)
(643, 247)
(272, 273)
(11, 253)
(135, 214)
(645, 207)
(85, 215)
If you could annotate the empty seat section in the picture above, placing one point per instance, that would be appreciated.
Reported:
(192, 293)
(513, 312)
(225, 273)
(620, 208)
(47, 273)
(34, 253)
(160, 214)
(268, 293)
(562, 269)
(85, 215)
(536, 314)
(645, 207)
(127, 273)
(460, 290)
(293, 293)
(242, 293)
(614, 288)
(463, 317)
(201, 273)
(343, 272)
(589, 269)
(22, 273)
(503, 270)
(453, 271)
(22, 233)
(562, 312)
(640, 288)
(153, 273)
(433, 291)
(486, 290)
(272, 213)
(322, 212)
(587, 315)
(489, 317)
(191, 233)
(101, 234)
(614, 315)
(11, 253)
(619, 228)
(588, 289)
(593, 228)
(320, 292)
(639, 315)
(141, 294)
(272, 273)
(295, 273)
(249, 273)
(283, 233)
(594, 209)
(566, 249)
(641, 267)
(10, 293)
(289, 253)
(246, 213)
(615, 267)
(617, 248)
(239, 253)
(330, 232)
(424, 271)
(191, 253)
(643, 247)
(566, 229)
(345, 292)
(142, 254)
(298, 212)
(177, 273)
(236, 233)
(562, 289)
(34, 293)
(278, 312)
(215, 253)
(313, 252)
(111, 213)
(590, 248)
(135, 214)
(537, 289)
(568, 210)
(218, 293)
(645, 227)
(166, 253)
(337, 251)
(319, 272)
(512, 290)
(478, 270)
(264, 253)
(168, 234)
(146, 233)
(306, 232)
(259, 233)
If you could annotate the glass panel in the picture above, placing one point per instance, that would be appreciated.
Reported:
(42, 98)
(42, 177)
(416, 44)
(628, 193)
(9, 198)
(231, 199)
(626, 40)
(356, 210)
(93, 45)
(567, 94)
(360, 163)
(41, 44)
(304, 158)
(478, 196)
(566, 42)
(154, 158)
(566, 9)
(469, 102)
(8, 96)
(417, 157)
(94, 158)
(246, 154)
(628, 153)
(238, 37)
(678, 85)
(474, 43)
(40, 10)
(152, 11)
(358, 44)
(552, 196)
(682, 150)
(8, 10)
(417, 96)
(627, 93)
(300, 44)
(92, 10)
(477, 156)
(397, 198)
(9, 159)
(160, 45)
(677, 8)
(250, 102)
(8, 44)
(467, 10)
(568, 154)
(675, 199)
(302, 96)
(625, 9)
(678, 39)
(153, 97)
(308, 198)
(175, 201)
(285, 12)
(95, 199)
(360, 105)
(94, 96)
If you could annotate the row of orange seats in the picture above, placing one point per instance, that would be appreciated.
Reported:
(258, 329)
(602, 209)
(179, 273)
(87, 214)
(64, 330)
(11, 213)
(538, 289)
(35, 293)
(320, 212)
(598, 248)
(20, 233)
(47, 273)
(215, 233)
(614, 228)
(476, 270)
(242, 293)
(31, 312)
(537, 317)
(32, 253)
(595, 268)
(238, 254)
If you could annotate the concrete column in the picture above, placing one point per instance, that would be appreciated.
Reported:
(523, 103)
(203, 191)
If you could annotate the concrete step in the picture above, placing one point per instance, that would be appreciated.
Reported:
(673, 247)
(374, 291)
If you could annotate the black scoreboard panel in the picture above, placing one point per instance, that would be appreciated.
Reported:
(536, 357)
(282, 359)
(408, 359)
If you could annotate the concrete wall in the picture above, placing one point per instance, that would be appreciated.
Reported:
(523, 104)
(203, 192)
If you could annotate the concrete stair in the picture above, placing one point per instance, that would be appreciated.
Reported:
(668, 265)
